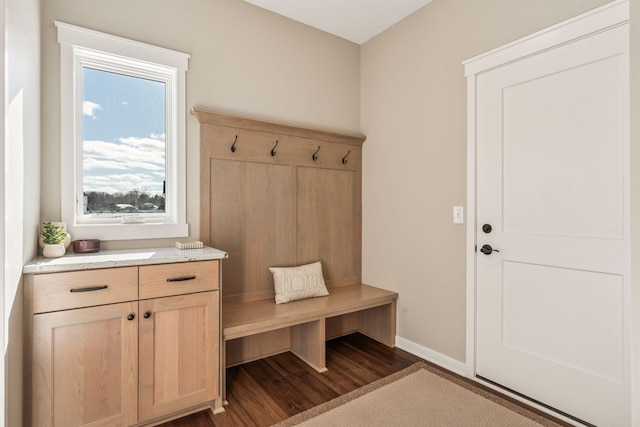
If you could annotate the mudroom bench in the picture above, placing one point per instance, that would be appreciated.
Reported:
(279, 195)
(303, 326)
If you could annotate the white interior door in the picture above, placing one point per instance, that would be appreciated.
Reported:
(552, 181)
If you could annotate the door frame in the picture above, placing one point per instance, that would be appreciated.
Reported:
(608, 16)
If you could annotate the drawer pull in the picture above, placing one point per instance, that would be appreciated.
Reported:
(181, 279)
(89, 289)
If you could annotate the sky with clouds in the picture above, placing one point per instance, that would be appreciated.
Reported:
(123, 133)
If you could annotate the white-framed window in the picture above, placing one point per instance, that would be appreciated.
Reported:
(123, 137)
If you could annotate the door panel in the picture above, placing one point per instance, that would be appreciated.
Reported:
(540, 112)
(87, 360)
(328, 218)
(551, 179)
(548, 313)
(179, 343)
(253, 216)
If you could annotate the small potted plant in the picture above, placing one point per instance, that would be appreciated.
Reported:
(53, 238)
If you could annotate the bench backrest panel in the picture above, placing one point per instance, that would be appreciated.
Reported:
(279, 210)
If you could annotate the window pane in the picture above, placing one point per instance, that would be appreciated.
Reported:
(123, 145)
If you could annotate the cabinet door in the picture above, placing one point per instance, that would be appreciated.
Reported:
(85, 367)
(179, 358)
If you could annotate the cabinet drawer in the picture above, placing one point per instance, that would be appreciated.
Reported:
(63, 291)
(175, 279)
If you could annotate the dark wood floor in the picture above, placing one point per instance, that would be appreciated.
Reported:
(264, 392)
(267, 391)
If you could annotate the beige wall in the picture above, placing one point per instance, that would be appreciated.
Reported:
(244, 60)
(22, 188)
(413, 108)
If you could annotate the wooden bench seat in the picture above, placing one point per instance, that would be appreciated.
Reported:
(303, 326)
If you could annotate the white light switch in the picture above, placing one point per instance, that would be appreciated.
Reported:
(458, 215)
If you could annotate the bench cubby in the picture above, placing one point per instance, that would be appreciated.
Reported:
(303, 326)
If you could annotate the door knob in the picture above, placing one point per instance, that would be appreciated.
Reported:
(487, 249)
(147, 315)
(131, 316)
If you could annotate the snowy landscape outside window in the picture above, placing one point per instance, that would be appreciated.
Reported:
(123, 146)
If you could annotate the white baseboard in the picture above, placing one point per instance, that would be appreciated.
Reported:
(432, 356)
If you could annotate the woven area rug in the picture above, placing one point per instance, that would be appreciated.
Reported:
(419, 395)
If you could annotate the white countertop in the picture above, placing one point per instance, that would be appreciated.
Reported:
(120, 258)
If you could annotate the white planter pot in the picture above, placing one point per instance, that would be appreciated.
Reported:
(53, 251)
(67, 239)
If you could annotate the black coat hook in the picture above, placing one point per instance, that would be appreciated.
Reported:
(273, 150)
(233, 147)
(344, 159)
(315, 155)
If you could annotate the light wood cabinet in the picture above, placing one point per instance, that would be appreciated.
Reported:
(178, 358)
(85, 365)
(127, 346)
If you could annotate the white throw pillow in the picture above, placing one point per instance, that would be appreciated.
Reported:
(293, 283)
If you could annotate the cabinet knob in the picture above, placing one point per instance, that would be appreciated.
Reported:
(147, 315)
(131, 316)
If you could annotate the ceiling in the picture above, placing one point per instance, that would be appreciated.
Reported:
(354, 20)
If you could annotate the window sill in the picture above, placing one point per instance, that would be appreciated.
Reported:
(127, 231)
